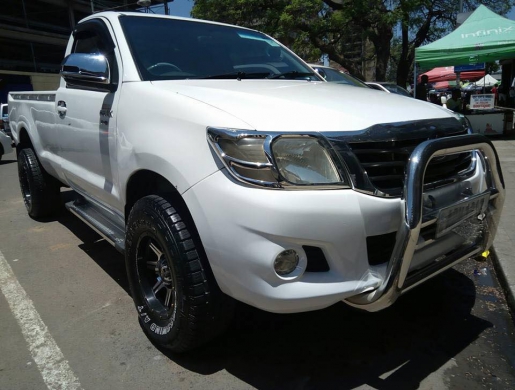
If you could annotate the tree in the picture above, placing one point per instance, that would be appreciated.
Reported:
(341, 28)
(309, 27)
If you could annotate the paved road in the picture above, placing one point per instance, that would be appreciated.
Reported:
(75, 311)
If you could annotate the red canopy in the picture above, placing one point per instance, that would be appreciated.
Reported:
(444, 85)
(447, 74)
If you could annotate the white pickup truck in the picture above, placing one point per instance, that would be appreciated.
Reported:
(223, 167)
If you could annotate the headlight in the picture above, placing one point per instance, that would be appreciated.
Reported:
(278, 160)
(304, 161)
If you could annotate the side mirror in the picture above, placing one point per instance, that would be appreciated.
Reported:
(322, 74)
(93, 68)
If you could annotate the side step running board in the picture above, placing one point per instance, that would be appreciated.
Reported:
(99, 223)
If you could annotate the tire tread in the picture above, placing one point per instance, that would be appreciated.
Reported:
(44, 188)
(207, 310)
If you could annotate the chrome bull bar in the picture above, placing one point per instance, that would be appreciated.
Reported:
(394, 283)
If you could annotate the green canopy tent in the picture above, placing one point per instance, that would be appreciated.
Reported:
(483, 37)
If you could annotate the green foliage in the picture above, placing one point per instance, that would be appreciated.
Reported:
(346, 30)
(492, 67)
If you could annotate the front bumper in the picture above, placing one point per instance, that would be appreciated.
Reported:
(398, 278)
(244, 228)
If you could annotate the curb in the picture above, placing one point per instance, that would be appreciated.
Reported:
(503, 249)
(499, 263)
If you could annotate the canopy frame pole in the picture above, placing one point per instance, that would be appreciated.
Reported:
(415, 80)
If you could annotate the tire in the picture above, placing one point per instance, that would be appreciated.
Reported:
(178, 301)
(40, 191)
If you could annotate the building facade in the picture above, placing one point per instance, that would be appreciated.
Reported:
(33, 38)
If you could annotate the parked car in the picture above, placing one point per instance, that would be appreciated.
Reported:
(388, 87)
(5, 144)
(4, 119)
(333, 75)
(224, 170)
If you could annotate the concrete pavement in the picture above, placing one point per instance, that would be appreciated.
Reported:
(503, 255)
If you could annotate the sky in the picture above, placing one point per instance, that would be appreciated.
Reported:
(177, 8)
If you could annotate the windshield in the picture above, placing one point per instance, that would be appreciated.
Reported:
(335, 76)
(168, 49)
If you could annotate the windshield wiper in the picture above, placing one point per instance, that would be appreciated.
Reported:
(291, 74)
(238, 75)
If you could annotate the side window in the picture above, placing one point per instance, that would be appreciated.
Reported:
(89, 42)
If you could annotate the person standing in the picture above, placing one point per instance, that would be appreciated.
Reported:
(455, 103)
(496, 97)
(421, 93)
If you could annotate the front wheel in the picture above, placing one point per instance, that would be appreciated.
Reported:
(179, 304)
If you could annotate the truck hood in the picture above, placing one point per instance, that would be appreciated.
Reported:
(291, 105)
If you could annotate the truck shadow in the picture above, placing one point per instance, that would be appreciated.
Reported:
(97, 248)
(5, 162)
(334, 348)
(343, 348)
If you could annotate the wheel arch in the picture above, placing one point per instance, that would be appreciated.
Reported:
(147, 182)
(24, 140)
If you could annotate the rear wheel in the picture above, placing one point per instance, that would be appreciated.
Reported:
(40, 191)
(178, 301)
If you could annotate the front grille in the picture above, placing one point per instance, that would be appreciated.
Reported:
(385, 162)
(376, 157)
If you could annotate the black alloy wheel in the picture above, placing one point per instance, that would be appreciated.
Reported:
(157, 277)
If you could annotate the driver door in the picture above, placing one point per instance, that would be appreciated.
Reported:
(86, 122)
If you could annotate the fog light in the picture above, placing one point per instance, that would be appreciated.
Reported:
(286, 262)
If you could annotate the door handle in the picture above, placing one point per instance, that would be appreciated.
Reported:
(61, 107)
